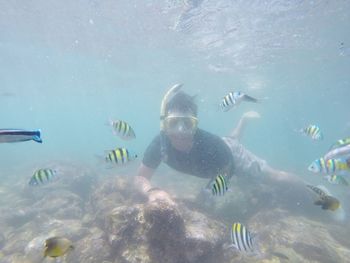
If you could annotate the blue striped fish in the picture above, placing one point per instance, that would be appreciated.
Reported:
(313, 131)
(339, 152)
(17, 135)
(329, 166)
(241, 238)
(340, 143)
(219, 186)
(42, 176)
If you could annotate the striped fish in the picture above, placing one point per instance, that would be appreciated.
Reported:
(339, 152)
(241, 238)
(313, 131)
(336, 179)
(340, 143)
(120, 156)
(17, 135)
(42, 176)
(330, 166)
(122, 129)
(219, 186)
(320, 190)
(233, 99)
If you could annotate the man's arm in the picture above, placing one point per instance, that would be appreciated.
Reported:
(143, 185)
(142, 179)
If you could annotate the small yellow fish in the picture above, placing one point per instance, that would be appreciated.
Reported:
(326, 201)
(57, 247)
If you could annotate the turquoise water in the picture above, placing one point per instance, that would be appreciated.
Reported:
(67, 72)
(67, 68)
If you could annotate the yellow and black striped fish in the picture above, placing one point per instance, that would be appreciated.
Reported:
(313, 131)
(42, 176)
(219, 186)
(120, 156)
(241, 238)
(123, 129)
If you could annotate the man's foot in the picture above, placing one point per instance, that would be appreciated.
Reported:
(251, 114)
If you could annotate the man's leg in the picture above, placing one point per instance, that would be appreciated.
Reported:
(237, 131)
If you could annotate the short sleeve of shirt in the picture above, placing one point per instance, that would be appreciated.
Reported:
(152, 156)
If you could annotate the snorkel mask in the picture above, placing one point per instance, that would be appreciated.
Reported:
(175, 124)
(177, 120)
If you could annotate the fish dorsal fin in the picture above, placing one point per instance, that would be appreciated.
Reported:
(324, 189)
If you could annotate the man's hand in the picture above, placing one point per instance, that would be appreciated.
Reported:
(160, 195)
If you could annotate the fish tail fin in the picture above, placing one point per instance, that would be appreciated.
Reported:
(259, 100)
(250, 99)
(258, 253)
(299, 130)
(217, 106)
(109, 122)
(37, 137)
(101, 160)
(228, 246)
(339, 215)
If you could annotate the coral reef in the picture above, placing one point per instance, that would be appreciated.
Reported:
(109, 223)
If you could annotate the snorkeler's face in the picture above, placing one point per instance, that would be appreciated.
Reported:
(180, 124)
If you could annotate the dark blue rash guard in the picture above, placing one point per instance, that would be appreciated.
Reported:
(208, 157)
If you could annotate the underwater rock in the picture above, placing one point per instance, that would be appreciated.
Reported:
(17, 218)
(71, 229)
(103, 200)
(17, 258)
(204, 238)
(92, 248)
(301, 239)
(82, 183)
(18, 238)
(35, 248)
(163, 232)
(62, 205)
(126, 228)
(166, 232)
(2, 240)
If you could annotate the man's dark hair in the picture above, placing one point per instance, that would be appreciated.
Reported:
(182, 102)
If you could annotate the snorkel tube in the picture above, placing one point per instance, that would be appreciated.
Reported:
(167, 97)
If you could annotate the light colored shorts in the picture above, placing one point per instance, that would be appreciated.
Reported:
(245, 163)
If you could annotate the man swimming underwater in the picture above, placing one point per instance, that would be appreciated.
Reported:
(190, 150)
